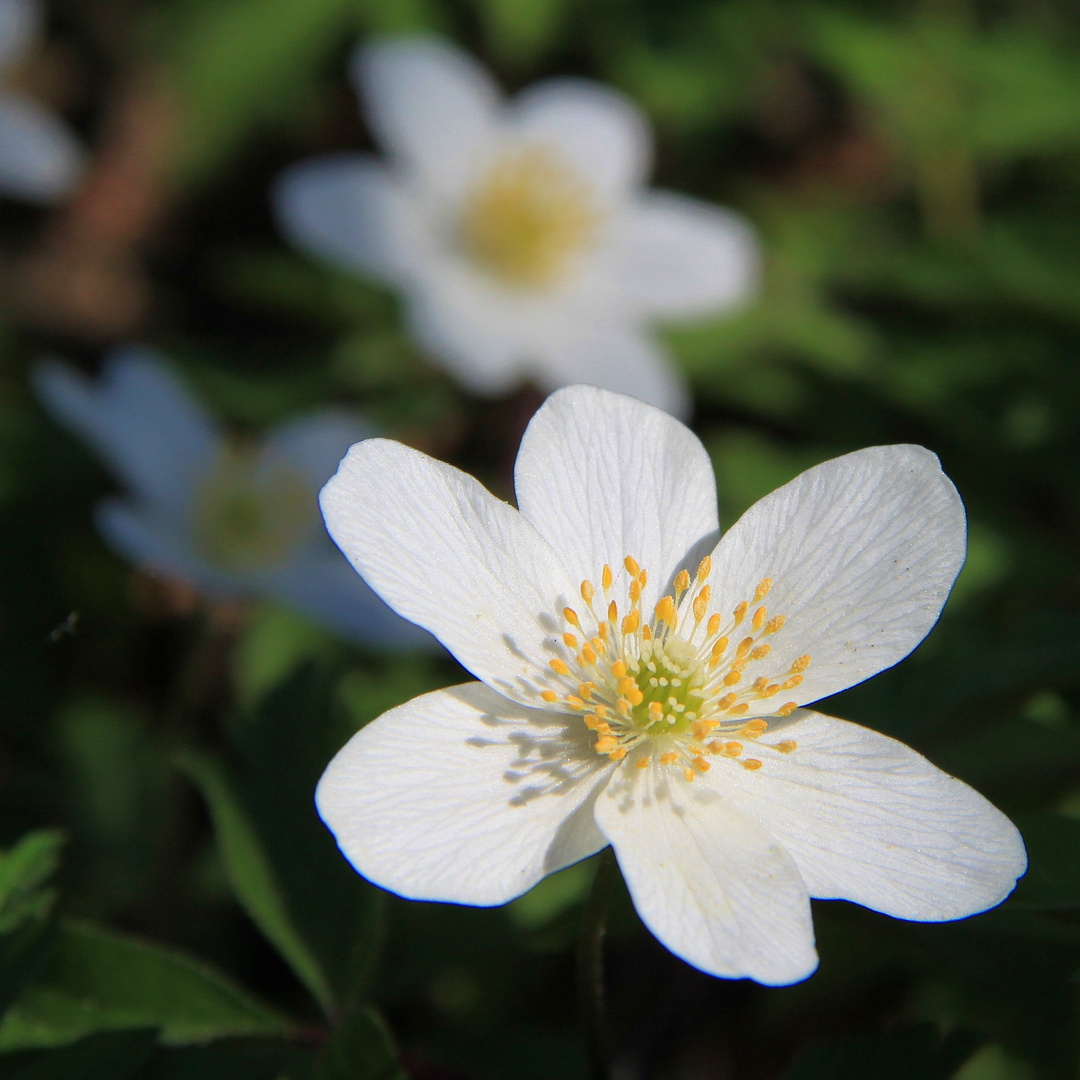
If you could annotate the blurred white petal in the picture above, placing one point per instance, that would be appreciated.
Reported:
(40, 158)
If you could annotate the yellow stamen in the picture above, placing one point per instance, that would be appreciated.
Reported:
(740, 612)
(605, 577)
(787, 746)
(613, 613)
(632, 567)
(752, 764)
(704, 567)
(570, 615)
(631, 622)
(571, 641)
(559, 667)
(701, 764)
(682, 582)
(549, 696)
(618, 669)
(587, 592)
(642, 763)
(713, 626)
(763, 589)
(669, 758)
(790, 684)
(801, 664)
(788, 709)
(701, 602)
(759, 618)
(774, 624)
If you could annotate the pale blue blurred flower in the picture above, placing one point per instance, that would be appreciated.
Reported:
(235, 519)
(521, 233)
(40, 158)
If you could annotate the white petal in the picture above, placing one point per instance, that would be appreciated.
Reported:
(161, 545)
(446, 554)
(40, 158)
(430, 105)
(713, 886)
(463, 796)
(597, 130)
(140, 418)
(868, 819)
(603, 476)
(676, 256)
(327, 589)
(316, 443)
(862, 550)
(20, 25)
(614, 357)
(348, 210)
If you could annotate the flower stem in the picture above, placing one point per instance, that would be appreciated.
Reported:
(590, 961)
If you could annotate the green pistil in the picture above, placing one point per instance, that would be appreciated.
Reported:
(670, 675)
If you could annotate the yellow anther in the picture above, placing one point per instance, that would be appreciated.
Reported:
(761, 651)
(701, 764)
(587, 592)
(665, 611)
(739, 710)
(718, 651)
(626, 684)
(669, 758)
(643, 578)
(618, 753)
(605, 744)
(570, 615)
(752, 764)
(759, 618)
(713, 626)
(571, 641)
(601, 711)
(756, 727)
(632, 567)
(772, 688)
(703, 728)
(726, 702)
(744, 648)
(689, 773)
(646, 633)
(613, 613)
(588, 655)
(559, 667)
(774, 624)
(787, 746)
(642, 763)
(605, 577)
(622, 706)
(656, 711)
(701, 602)
(759, 684)
(635, 591)
(733, 749)
(740, 612)
(618, 669)
(574, 702)
(788, 709)
(763, 589)
(732, 677)
(631, 622)
(636, 696)
(602, 632)
(801, 664)
(591, 722)
(704, 567)
(585, 690)
(682, 582)
(790, 684)
(549, 696)
(603, 727)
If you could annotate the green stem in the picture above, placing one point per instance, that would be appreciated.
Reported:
(590, 961)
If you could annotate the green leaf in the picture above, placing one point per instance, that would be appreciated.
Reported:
(22, 954)
(899, 1055)
(275, 643)
(359, 1049)
(96, 979)
(115, 1055)
(232, 1059)
(24, 869)
(1052, 882)
(251, 874)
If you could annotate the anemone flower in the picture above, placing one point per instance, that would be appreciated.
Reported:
(234, 519)
(40, 158)
(643, 684)
(519, 232)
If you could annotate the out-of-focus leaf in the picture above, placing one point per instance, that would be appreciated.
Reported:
(251, 874)
(359, 1049)
(274, 644)
(97, 979)
(552, 896)
(1052, 882)
(23, 952)
(104, 1055)
(520, 30)
(24, 869)
(993, 1063)
(917, 1051)
(232, 1059)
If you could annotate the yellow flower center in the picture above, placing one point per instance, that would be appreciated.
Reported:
(250, 515)
(528, 219)
(680, 688)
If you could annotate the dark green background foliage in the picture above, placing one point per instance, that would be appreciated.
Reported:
(171, 907)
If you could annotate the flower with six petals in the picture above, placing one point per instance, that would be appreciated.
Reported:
(643, 683)
(519, 232)
(233, 519)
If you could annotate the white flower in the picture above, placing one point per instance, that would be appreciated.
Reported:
(519, 232)
(232, 518)
(642, 686)
(40, 158)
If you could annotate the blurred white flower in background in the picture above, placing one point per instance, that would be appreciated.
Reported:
(642, 683)
(520, 232)
(232, 518)
(40, 158)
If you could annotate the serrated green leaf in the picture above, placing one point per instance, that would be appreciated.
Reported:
(97, 979)
(359, 1049)
(251, 874)
(24, 869)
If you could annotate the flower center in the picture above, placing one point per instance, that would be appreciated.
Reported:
(527, 219)
(683, 688)
(250, 515)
